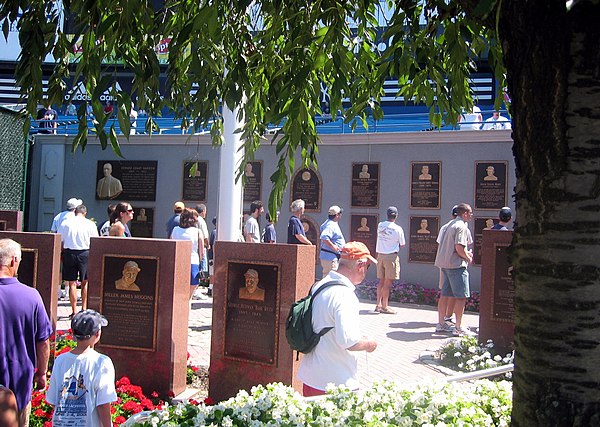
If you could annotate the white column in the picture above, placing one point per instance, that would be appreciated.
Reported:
(229, 210)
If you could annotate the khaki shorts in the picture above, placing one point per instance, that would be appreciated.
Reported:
(388, 266)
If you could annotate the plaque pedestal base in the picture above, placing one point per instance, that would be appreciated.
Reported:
(147, 331)
(496, 306)
(248, 332)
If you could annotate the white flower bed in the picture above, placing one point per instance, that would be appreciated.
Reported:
(435, 404)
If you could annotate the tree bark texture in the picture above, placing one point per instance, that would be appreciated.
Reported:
(553, 62)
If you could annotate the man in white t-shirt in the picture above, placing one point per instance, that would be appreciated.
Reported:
(333, 360)
(76, 234)
(72, 203)
(251, 228)
(497, 122)
(390, 238)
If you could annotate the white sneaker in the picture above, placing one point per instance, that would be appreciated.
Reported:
(62, 295)
(460, 332)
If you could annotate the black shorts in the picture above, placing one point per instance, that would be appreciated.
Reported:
(75, 264)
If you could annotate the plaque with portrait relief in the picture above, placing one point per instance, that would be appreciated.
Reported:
(252, 311)
(490, 185)
(133, 180)
(365, 185)
(480, 224)
(306, 185)
(253, 181)
(425, 185)
(142, 223)
(129, 300)
(363, 228)
(423, 233)
(195, 181)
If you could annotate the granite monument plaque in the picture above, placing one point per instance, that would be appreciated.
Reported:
(253, 181)
(40, 265)
(142, 223)
(251, 311)
(195, 181)
(11, 220)
(480, 224)
(365, 185)
(306, 185)
(142, 287)
(422, 245)
(363, 228)
(129, 298)
(425, 185)
(497, 309)
(126, 180)
(490, 185)
(248, 344)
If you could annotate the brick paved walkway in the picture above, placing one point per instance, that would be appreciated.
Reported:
(401, 338)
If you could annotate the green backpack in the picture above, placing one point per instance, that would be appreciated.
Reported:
(298, 327)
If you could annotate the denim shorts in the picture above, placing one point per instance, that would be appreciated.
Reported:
(456, 282)
(195, 279)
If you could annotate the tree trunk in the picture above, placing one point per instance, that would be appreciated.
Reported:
(553, 62)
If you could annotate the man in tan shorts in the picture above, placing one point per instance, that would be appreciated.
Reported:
(390, 238)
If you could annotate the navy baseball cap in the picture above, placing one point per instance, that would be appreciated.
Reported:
(87, 323)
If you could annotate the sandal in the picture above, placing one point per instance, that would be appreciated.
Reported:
(387, 310)
(377, 309)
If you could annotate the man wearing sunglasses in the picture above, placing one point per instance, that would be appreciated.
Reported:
(333, 360)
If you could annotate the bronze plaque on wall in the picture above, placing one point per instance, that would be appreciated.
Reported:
(253, 181)
(126, 180)
(251, 313)
(27, 273)
(143, 222)
(363, 228)
(480, 224)
(490, 185)
(422, 245)
(194, 186)
(129, 300)
(306, 185)
(365, 185)
(425, 185)
(503, 300)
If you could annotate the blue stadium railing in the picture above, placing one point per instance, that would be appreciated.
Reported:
(405, 122)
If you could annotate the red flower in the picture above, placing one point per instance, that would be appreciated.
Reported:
(147, 404)
(39, 413)
(195, 368)
(209, 401)
(113, 409)
(123, 381)
(171, 394)
(154, 394)
(119, 420)
(194, 402)
(48, 424)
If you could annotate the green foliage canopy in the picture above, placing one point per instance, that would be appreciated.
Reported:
(267, 57)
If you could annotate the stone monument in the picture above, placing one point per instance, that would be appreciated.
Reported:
(40, 265)
(497, 299)
(11, 220)
(142, 286)
(255, 285)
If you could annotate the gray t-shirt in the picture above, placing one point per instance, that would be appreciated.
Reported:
(252, 228)
(456, 233)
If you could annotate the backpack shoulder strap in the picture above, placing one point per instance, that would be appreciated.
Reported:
(324, 286)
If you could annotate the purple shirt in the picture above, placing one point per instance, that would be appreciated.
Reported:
(23, 323)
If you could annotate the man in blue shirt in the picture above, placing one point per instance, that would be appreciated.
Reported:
(296, 233)
(332, 240)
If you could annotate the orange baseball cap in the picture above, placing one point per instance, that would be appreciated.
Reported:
(356, 250)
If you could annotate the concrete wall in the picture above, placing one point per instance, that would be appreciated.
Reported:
(58, 174)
